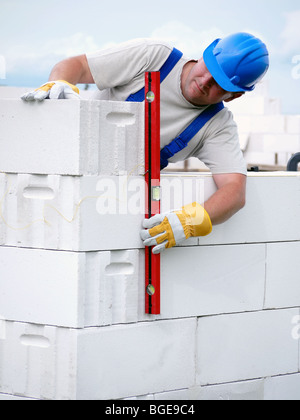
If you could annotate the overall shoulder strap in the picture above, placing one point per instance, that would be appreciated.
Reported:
(182, 141)
(166, 69)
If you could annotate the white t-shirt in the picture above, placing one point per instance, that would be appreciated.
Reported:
(120, 71)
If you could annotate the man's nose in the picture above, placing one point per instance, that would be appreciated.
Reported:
(208, 80)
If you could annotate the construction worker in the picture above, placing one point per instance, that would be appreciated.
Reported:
(229, 67)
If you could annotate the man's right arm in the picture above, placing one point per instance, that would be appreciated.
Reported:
(73, 70)
(63, 80)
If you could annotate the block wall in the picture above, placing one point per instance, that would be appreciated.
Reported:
(268, 138)
(72, 320)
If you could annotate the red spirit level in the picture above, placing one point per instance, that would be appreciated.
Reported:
(152, 170)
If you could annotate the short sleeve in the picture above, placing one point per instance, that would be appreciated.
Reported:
(221, 150)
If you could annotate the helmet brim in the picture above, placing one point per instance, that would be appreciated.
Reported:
(217, 72)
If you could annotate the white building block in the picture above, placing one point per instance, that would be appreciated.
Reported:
(293, 124)
(267, 124)
(289, 143)
(283, 158)
(71, 137)
(97, 363)
(83, 213)
(283, 388)
(93, 213)
(262, 88)
(8, 397)
(71, 213)
(244, 123)
(237, 391)
(212, 280)
(255, 144)
(77, 290)
(266, 217)
(69, 289)
(260, 158)
(10, 92)
(246, 346)
(271, 149)
(282, 275)
(261, 124)
(255, 105)
(38, 361)
(276, 388)
(273, 143)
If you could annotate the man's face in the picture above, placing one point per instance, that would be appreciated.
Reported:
(200, 88)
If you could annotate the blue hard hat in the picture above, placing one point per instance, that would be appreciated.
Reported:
(237, 62)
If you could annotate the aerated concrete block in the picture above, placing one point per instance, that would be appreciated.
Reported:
(87, 213)
(273, 143)
(293, 124)
(92, 213)
(261, 124)
(8, 397)
(236, 391)
(268, 124)
(69, 289)
(282, 275)
(289, 143)
(77, 290)
(246, 346)
(71, 137)
(97, 363)
(255, 105)
(260, 158)
(209, 280)
(266, 217)
(283, 388)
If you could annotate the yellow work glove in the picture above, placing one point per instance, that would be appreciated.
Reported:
(165, 231)
(53, 90)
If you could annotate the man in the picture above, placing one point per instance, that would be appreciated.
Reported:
(229, 68)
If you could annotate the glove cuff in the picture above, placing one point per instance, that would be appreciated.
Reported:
(73, 87)
(195, 220)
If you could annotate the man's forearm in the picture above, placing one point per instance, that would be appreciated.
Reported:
(226, 202)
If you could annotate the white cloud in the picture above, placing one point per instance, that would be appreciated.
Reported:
(189, 41)
(43, 55)
(291, 33)
(75, 44)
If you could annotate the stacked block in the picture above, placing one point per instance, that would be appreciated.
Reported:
(72, 319)
(268, 138)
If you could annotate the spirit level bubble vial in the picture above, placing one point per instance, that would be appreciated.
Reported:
(152, 170)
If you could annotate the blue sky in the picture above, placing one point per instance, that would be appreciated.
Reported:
(35, 34)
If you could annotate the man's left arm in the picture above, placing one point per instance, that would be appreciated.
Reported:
(229, 198)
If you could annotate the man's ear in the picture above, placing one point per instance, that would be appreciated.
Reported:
(235, 96)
